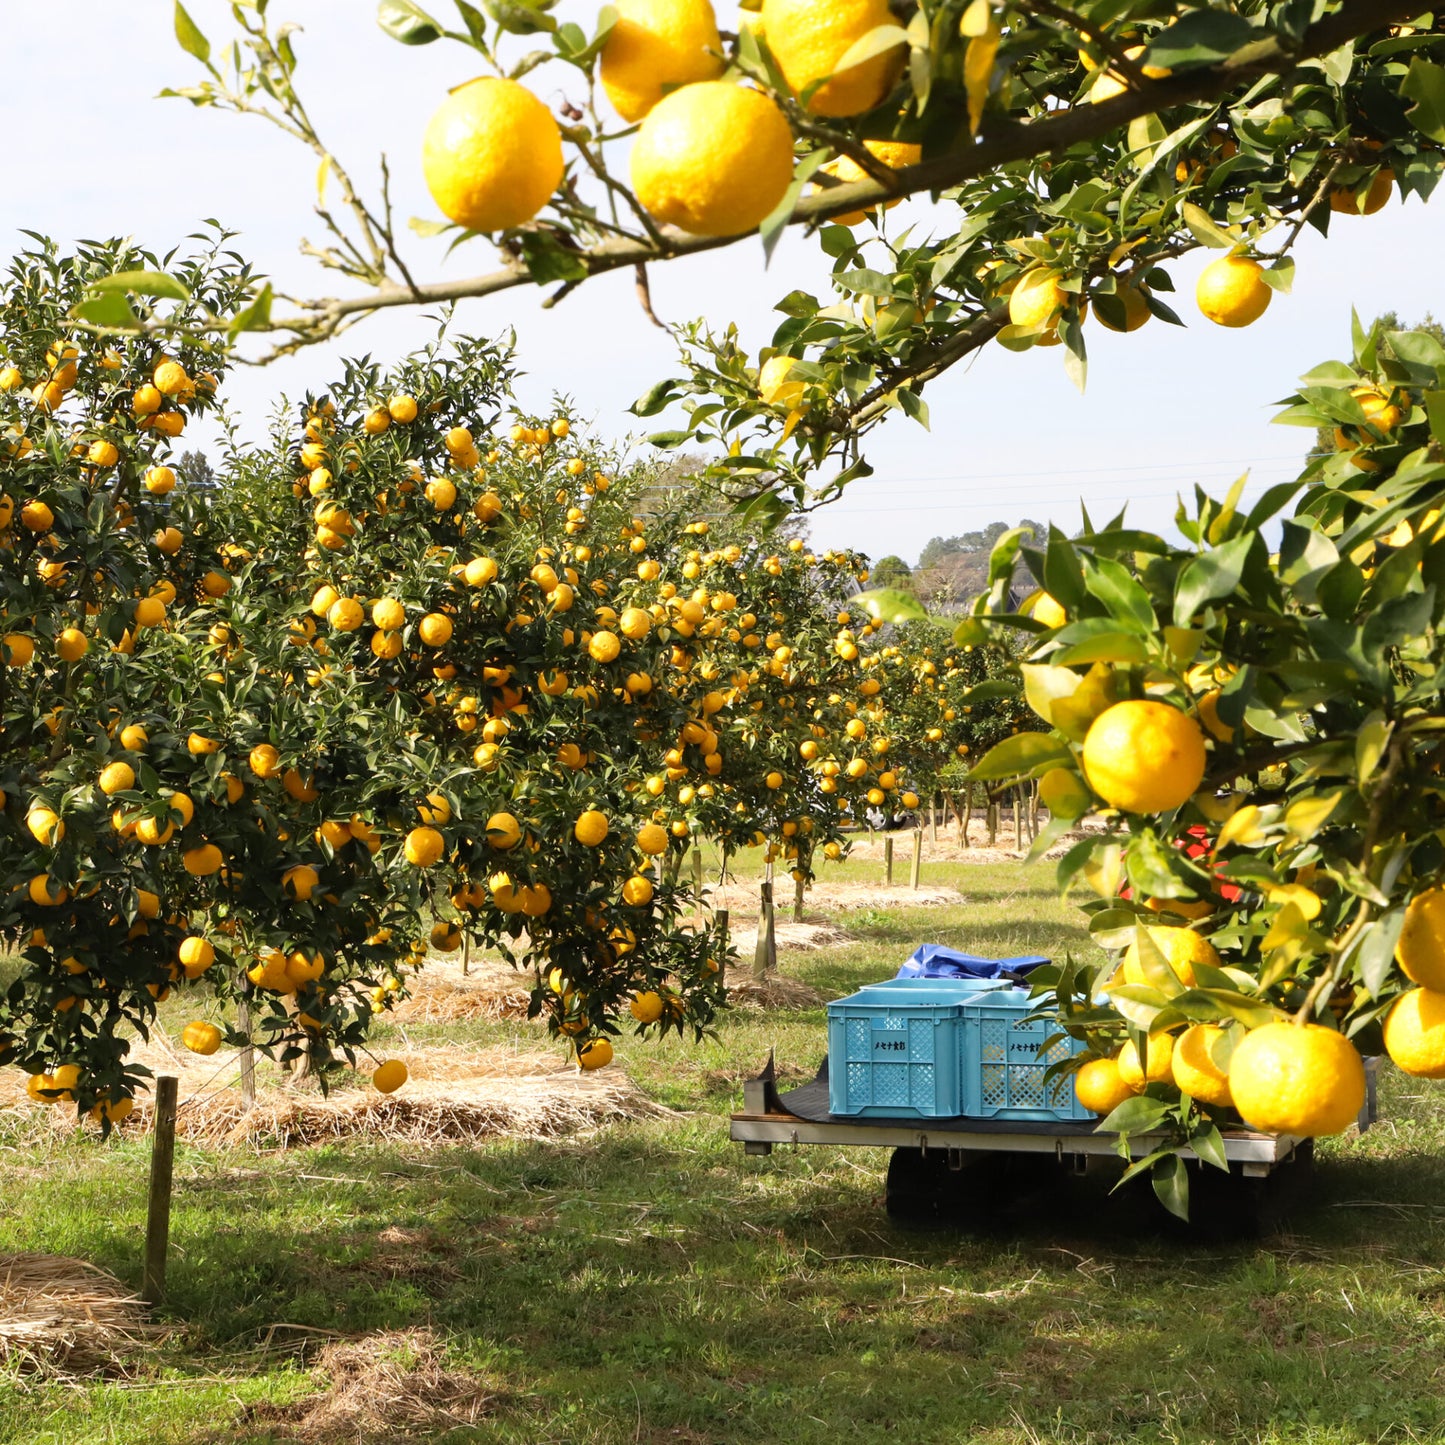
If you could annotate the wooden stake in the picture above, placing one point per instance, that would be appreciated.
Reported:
(248, 1055)
(799, 889)
(765, 956)
(888, 860)
(466, 953)
(917, 858)
(158, 1205)
(721, 916)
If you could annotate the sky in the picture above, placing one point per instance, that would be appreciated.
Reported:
(1010, 437)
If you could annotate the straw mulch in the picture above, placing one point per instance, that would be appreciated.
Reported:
(440, 993)
(777, 991)
(383, 1389)
(62, 1318)
(452, 1093)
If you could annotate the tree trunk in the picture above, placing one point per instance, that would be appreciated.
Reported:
(800, 888)
(993, 822)
(965, 817)
(765, 956)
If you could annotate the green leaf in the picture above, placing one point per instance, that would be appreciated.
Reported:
(188, 34)
(668, 439)
(657, 397)
(1376, 955)
(1201, 37)
(1120, 591)
(1042, 684)
(143, 283)
(1224, 1003)
(776, 221)
(1279, 276)
(1203, 229)
(1208, 1144)
(1021, 756)
(255, 317)
(889, 604)
(408, 23)
(1210, 576)
(1158, 973)
(1171, 1185)
(521, 17)
(1424, 83)
(878, 41)
(1139, 1115)
(1138, 1003)
(112, 311)
(550, 261)
(1370, 743)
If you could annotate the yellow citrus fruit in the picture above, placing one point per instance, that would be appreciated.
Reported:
(203, 860)
(652, 839)
(389, 1077)
(1344, 200)
(1036, 300)
(196, 955)
(1100, 1087)
(1136, 309)
(134, 738)
(503, 831)
(492, 155)
(713, 159)
(1061, 792)
(1160, 1054)
(201, 1038)
(646, 1008)
(388, 614)
(604, 647)
(590, 828)
(265, 760)
(1420, 951)
(1415, 1033)
(1181, 947)
(116, 778)
(809, 37)
(1297, 1079)
(657, 43)
(1108, 83)
(45, 826)
(435, 629)
(637, 891)
(1144, 757)
(1045, 609)
(895, 154)
(71, 644)
(595, 1054)
(423, 847)
(1195, 1070)
(1232, 292)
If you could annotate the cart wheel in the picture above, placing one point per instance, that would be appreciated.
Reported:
(924, 1188)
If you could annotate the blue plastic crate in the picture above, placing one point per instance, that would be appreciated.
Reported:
(1003, 1068)
(896, 1053)
(959, 988)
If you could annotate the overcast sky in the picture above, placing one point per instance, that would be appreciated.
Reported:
(94, 153)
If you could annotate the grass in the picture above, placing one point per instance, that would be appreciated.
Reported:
(653, 1284)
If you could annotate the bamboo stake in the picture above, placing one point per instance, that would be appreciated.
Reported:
(917, 867)
(888, 860)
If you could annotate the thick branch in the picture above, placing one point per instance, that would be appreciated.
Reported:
(1004, 144)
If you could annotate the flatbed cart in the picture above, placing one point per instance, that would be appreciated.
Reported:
(937, 1164)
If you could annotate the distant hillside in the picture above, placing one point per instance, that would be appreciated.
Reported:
(952, 571)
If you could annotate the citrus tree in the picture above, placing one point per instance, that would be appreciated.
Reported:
(1072, 153)
(1256, 725)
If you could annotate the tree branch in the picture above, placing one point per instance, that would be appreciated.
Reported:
(1002, 145)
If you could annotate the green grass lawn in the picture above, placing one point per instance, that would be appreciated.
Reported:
(653, 1284)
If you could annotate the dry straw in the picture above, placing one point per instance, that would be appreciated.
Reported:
(383, 1389)
(452, 1094)
(62, 1318)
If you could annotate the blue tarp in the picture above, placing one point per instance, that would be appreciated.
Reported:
(933, 960)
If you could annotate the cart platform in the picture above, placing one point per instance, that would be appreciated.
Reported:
(800, 1116)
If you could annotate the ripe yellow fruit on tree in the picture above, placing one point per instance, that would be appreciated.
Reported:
(1144, 757)
(1415, 1033)
(1301, 1079)
(1232, 291)
(423, 847)
(389, 1077)
(591, 828)
(713, 159)
(809, 38)
(1100, 1087)
(657, 43)
(201, 1038)
(1182, 949)
(1420, 951)
(1194, 1067)
(492, 155)
(1156, 1069)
